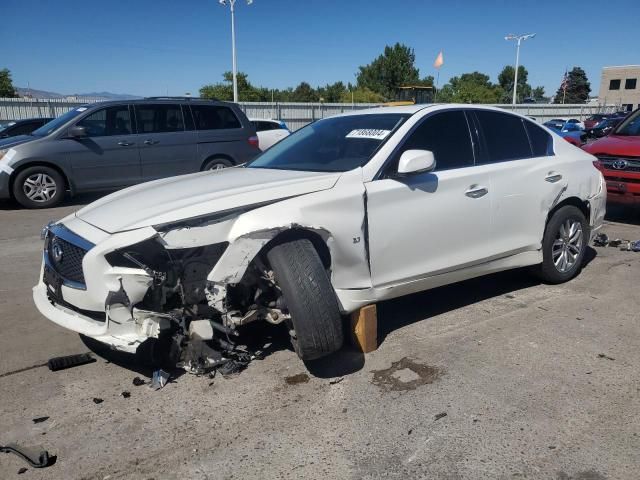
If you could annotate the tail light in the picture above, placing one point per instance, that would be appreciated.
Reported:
(253, 141)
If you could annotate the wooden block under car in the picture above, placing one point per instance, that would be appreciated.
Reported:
(364, 328)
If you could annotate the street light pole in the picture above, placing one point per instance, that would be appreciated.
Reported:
(519, 39)
(232, 4)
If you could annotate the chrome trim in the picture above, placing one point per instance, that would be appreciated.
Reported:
(64, 233)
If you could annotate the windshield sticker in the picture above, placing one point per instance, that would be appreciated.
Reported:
(81, 109)
(372, 133)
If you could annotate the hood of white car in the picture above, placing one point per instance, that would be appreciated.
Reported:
(188, 196)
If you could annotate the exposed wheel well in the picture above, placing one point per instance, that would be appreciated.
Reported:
(583, 206)
(298, 234)
(14, 174)
(217, 156)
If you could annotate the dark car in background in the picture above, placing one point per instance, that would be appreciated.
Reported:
(21, 127)
(114, 144)
(604, 127)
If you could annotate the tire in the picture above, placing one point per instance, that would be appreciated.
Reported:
(568, 248)
(216, 164)
(309, 297)
(38, 187)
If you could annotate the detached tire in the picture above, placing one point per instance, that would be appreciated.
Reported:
(38, 187)
(309, 297)
(564, 245)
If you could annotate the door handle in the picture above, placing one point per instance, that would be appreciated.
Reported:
(476, 191)
(125, 144)
(553, 177)
(150, 142)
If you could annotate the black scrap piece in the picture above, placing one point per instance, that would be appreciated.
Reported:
(601, 240)
(616, 243)
(137, 381)
(22, 470)
(97, 400)
(126, 394)
(34, 456)
(40, 419)
(61, 363)
(439, 416)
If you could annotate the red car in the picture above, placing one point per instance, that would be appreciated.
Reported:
(619, 160)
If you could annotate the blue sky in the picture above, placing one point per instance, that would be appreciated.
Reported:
(155, 47)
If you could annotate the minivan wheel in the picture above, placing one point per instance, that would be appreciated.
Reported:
(217, 164)
(38, 187)
(564, 245)
(309, 298)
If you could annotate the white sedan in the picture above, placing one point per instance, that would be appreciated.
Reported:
(269, 132)
(348, 211)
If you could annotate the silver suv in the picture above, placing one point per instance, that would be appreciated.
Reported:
(109, 145)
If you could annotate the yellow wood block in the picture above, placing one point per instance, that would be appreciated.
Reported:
(364, 328)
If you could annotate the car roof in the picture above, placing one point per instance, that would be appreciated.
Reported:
(265, 120)
(412, 109)
(190, 100)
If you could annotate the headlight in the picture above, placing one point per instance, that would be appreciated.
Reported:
(2, 153)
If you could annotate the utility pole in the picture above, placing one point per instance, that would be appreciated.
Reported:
(519, 39)
(232, 4)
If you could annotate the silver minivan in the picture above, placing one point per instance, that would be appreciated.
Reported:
(114, 144)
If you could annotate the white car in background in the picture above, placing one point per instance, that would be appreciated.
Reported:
(347, 211)
(269, 131)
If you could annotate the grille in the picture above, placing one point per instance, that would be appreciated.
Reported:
(633, 163)
(66, 258)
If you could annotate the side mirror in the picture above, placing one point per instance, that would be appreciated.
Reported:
(77, 132)
(416, 161)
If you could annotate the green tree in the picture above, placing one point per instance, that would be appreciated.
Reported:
(474, 87)
(538, 93)
(6, 84)
(506, 78)
(332, 93)
(224, 90)
(578, 88)
(394, 68)
(361, 95)
(304, 93)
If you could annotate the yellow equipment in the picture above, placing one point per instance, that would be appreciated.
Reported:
(411, 95)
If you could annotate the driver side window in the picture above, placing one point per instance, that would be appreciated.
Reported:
(447, 135)
(108, 122)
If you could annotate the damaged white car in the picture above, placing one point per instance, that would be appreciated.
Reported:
(348, 211)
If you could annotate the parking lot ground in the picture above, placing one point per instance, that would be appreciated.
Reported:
(536, 381)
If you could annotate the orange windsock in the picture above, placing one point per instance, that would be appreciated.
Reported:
(439, 60)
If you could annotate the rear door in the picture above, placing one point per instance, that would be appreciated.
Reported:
(108, 156)
(221, 134)
(433, 222)
(526, 178)
(167, 147)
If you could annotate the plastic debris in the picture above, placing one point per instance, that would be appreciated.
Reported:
(159, 380)
(34, 456)
(137, 381)
(601, 240)
(439, 416)
(126, 394)
(635, 246)
(60, 363)
(40, 419)
(97, 400)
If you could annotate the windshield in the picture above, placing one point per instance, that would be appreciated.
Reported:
(630, 127)
(335, 144)
(4, 126)
(56, 123)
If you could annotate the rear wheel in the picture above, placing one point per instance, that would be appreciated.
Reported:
(564, 245)
(38, 187)
(309, 298)
(216, 164)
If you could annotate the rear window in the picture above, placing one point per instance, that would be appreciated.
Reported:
(210, 117)
(504, 135)
(541, 141)
(161, 118)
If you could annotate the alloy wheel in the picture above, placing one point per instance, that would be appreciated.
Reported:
(567, 246)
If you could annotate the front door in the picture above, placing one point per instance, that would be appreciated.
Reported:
(167, 148)
(108, 156)
(430, 223)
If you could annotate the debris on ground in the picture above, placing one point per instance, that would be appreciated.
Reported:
(602, 355)
(159, 380)
(616, 243)
(137, 382)
(34, 456)
(40, 419)
(126, 394)
(61, 363)
(22, 470)
(333, 381)
(601, 240)
(439, 416)
(404, 375)
(97, 400)
(297, 379)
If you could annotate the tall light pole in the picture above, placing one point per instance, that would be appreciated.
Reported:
(232, 4)
(519, 39)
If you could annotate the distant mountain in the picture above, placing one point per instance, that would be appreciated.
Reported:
(32, 92)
